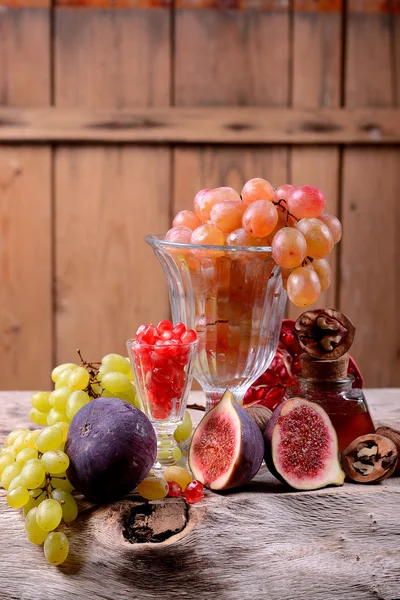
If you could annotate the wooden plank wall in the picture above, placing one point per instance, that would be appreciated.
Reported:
(74, 271)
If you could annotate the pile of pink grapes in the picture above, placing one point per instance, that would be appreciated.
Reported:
(289, 219)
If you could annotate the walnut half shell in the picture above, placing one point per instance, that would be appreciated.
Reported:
(324, 333)
(369, 458)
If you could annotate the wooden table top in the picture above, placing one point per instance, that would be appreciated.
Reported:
(260, 543)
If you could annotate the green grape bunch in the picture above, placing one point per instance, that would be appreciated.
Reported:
(33, 464)
(76, 385)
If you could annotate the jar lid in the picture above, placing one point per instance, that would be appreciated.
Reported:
(324, 370)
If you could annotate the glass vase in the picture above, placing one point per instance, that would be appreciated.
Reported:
(233, 298)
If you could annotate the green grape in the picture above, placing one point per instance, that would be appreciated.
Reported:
(35, 498)
(9, 473)
(96, 389)
(56, 548)
(33, 473)
(129, 396)
(177, 453)
(116, 362)
(58, 399)
(75, 402)
(68, 504)
(40, 401)
(49, 514)
(58, 370)
(25, 454)
(17, 497)
(62, 379)
(184, 430)
(12, 436)
(16, 482)
(35, 534)
(103, 370)
(153, 488)
(55, 461)
(79, 379)
(5, 461)
(9, 450)
(116, 382)
(38, 417)
(49, 439)
(30, 439)
(61, 482)
(64, 428)
(20, 443)
(55, 416)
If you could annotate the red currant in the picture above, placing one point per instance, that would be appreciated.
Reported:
(194, 491)
(174, 489)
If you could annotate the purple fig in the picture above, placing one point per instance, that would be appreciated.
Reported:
(111, 447)
(227, 447)
(301, 447)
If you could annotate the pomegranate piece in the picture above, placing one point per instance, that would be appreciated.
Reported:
(301, 447)
(174, 489)
(164, 326)
(194, 491)
(227, 446)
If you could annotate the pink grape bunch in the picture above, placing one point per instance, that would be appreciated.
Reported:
(289, 219)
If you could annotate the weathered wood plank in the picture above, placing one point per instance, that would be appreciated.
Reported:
(108, 198)
(201, 125)
(25, 207)
(370, 281)
(259, 542)
(317, 58)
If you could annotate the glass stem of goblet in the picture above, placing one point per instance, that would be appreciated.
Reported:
(166, 444)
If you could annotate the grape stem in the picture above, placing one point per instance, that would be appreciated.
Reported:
(284, 209)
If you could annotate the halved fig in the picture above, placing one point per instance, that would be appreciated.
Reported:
(301, 447)
(227, 447)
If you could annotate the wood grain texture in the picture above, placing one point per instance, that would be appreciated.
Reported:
(317, 56)
(25, 208)
(260, 542)
(229, 58)
(370, 279)
(108, 198)
(209, 125)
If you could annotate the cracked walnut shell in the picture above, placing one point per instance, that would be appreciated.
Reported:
(369, 458)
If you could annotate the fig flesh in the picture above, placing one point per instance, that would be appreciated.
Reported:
(111, 446)
(227, 447)
(301, 447)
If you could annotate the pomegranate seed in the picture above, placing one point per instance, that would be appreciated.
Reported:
(164, 326)
(140, 332)
(174, 489)
(178, 330)
(166, 335)
(150, 335)
(194, 491)
(188, 336)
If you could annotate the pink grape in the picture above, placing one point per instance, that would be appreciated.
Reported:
(208, 234)
(196, 202)
(318, 237)
(186, 218)
(260, 218)
(257, 189)
(180, 235)
(289, 248)
(282, 193)
(324, 272)
(306, 201)
(334, 225)
(208, 199)
(303, 287)
(227, 215)
(240, 237)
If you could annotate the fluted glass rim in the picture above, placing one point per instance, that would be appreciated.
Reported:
(157, 240)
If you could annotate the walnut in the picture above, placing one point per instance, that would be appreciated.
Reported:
(394, 435)
(261, 415)
(369, 458)
(324, 333)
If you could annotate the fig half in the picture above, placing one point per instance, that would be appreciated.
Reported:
(227, 447)
(301, 447)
